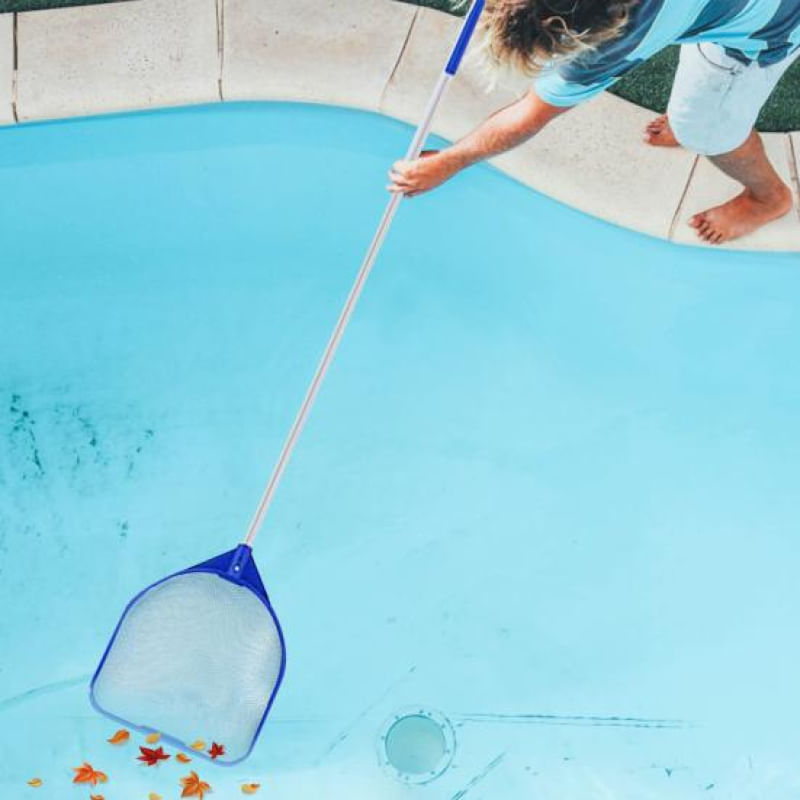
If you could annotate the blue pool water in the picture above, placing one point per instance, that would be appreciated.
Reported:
(549, 491)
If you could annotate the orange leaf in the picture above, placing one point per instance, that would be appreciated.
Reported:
(35, 782)
(153, 796)
(86, 773)
(183, 758)
(198, 744)
(96, 797)
(193, 786)
(120, 737)
(250, 788)
(152, 738)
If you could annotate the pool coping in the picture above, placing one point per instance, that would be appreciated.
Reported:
(374, 55)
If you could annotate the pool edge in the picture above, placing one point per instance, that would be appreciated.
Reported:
(372, 55)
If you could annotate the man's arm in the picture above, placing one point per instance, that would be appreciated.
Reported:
(505, 129)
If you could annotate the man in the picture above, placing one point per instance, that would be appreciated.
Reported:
(733, 53)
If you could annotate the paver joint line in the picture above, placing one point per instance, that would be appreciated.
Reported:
(679, 208)
(400, 55)
(220, 5)
(793, 171)
(14, 64)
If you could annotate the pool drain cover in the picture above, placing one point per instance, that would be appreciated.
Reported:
(416, 745)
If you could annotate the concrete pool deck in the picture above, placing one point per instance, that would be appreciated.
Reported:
(374, 55)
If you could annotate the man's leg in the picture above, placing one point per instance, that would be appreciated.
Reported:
(765, 197)
(694, 73)
(713, 107)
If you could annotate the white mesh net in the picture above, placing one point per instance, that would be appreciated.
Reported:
(196, 657)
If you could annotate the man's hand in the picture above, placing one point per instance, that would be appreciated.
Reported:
(505, 129)
(425, 173)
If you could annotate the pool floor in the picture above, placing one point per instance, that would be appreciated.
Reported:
(548, 493)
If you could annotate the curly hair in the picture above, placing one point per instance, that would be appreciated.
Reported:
(528, 34)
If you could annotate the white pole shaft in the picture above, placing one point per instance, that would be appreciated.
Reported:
(414, 151)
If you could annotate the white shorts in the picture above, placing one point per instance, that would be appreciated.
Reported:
(715, 98)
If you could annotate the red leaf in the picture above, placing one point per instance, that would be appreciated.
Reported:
(216, 750)
(152, 757)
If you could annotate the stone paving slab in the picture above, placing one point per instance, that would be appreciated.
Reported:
(594, 158)
(340, 52)
(6, 69)
(468, 99)
(105, 58)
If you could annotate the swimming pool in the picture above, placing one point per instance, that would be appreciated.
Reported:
(548, 494)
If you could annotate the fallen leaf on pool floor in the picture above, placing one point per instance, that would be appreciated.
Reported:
(96, 797)
(193, 786)
(183, 758)
(216, 750)
(153, 796)
(120, 737)
(152, 757)
(198, 744)
(152, 738)
(35, 782)
(250, 788)
(86, 773)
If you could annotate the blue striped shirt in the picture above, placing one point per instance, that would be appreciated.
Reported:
(764, 31)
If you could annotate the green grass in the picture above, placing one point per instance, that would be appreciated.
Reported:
(649, 84)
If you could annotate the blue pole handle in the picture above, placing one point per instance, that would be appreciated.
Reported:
(463, 40)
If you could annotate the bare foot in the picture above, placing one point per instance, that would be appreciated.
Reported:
(659, 133)
(740, 216)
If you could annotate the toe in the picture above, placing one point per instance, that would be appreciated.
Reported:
(655, 125)
(704, 230)
(697, 220)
